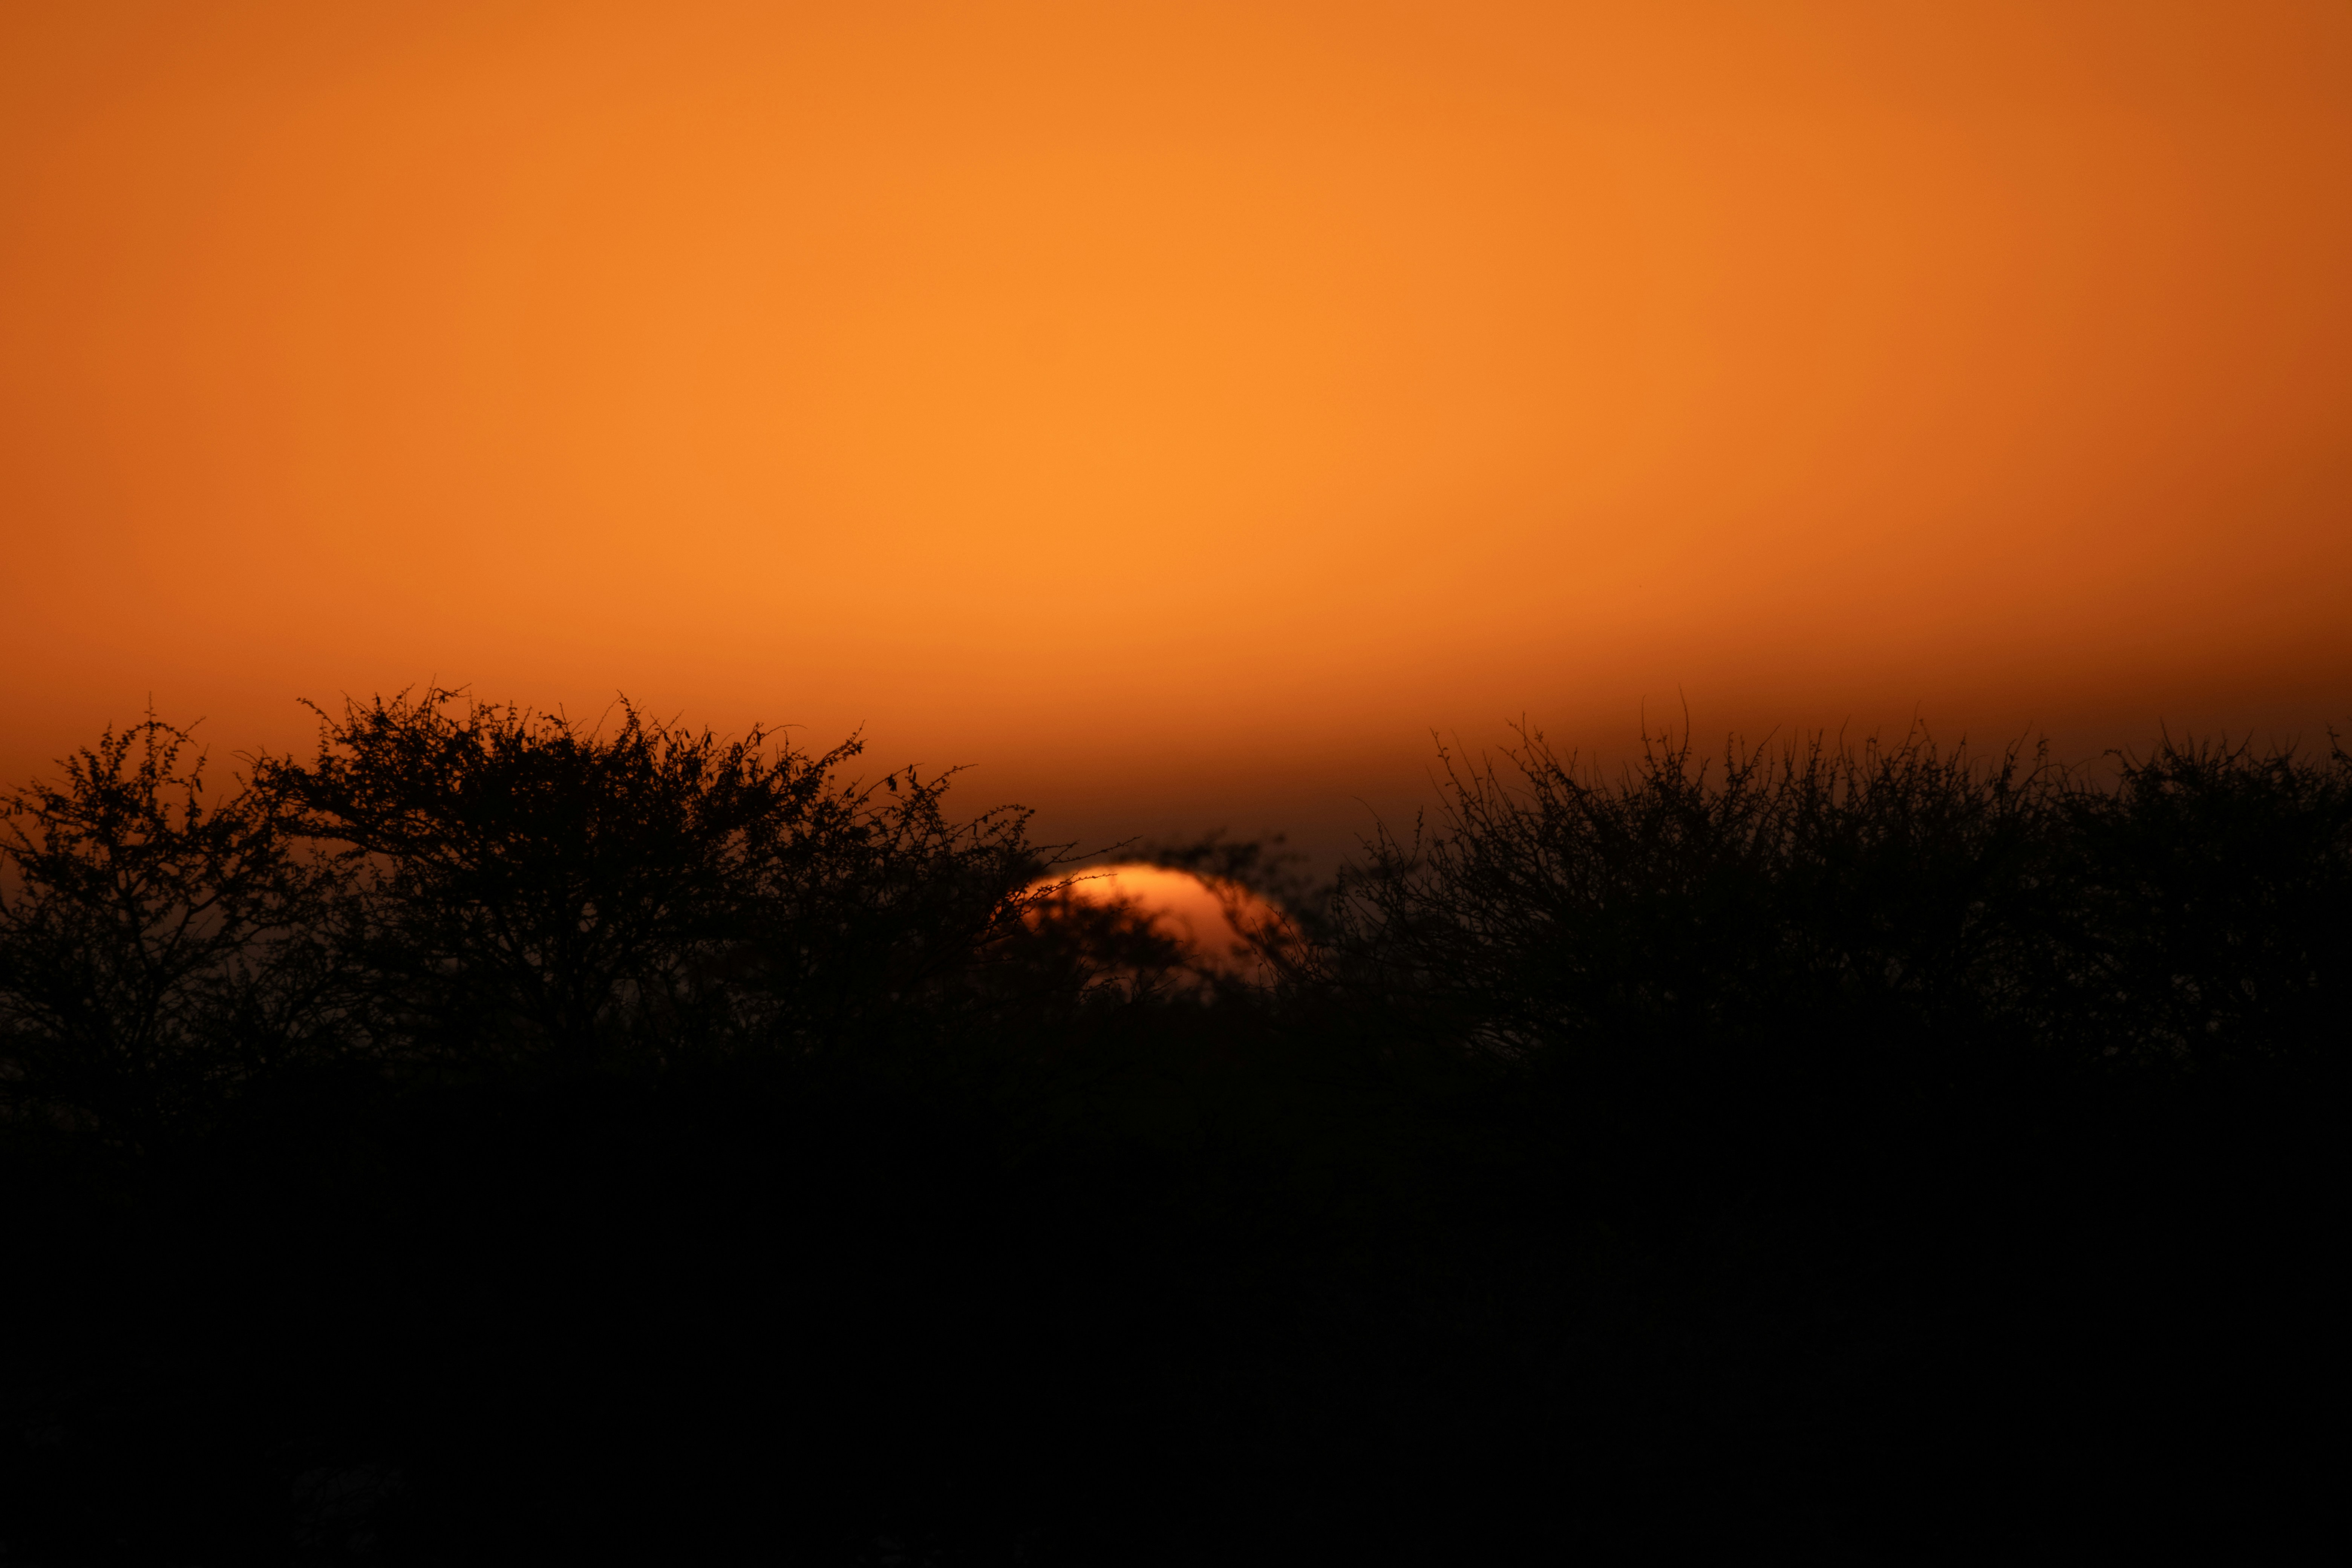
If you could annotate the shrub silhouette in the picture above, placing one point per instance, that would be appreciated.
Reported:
(489, 1137)
(524, 885)
(2210, 905)
(2200, 905)
(158, 950)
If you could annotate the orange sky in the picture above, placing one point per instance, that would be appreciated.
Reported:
(1179, 410)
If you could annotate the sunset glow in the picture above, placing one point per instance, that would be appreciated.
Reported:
(1210, 920)
(1179, 411)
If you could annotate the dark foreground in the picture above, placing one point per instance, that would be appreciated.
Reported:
(1881, 1177)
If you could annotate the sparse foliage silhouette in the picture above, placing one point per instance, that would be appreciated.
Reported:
(1917, 900)
(526, 884)
(491, 1137)
(158, 950)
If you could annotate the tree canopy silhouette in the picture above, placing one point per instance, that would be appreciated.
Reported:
(2199, 903)
(491, 1137)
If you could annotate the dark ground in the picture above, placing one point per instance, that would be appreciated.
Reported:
(1225, 1302)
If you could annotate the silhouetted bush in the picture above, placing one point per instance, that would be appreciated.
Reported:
(490, 1138)
(156, 951)
(522, 884)
(2197, 905)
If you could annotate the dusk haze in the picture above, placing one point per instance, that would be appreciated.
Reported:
(1157, 783)
(1328, 374)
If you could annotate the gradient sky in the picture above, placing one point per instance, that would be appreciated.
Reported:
(1179, 411)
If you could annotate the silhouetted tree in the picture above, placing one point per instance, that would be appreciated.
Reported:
(526, 883)
(2210, 895)
(156, 950)
(1895, 894)
(1844, 1147)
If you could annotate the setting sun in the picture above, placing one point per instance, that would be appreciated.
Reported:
(959, 781)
